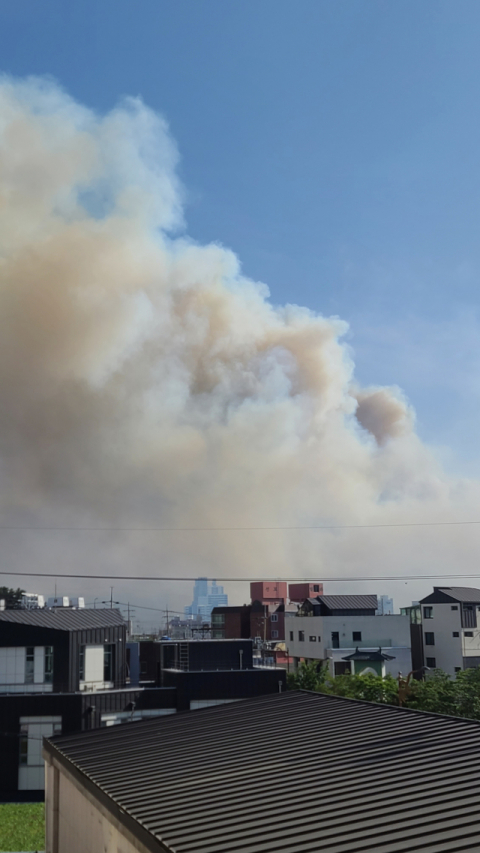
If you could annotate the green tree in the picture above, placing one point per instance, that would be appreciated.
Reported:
(12, 597)
(436, 693)
(308, 676)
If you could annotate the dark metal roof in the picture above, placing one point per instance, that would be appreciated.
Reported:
(457, 593)
(365, 655)
(64, 618)
(239, 778)
(349, 602)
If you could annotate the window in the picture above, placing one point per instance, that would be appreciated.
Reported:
(301, 636)
(335, 640)
(291, 636)
(455, 634)
(316, 587)
(357, 636)
(108, 663)
(428, 612)
(468, 633)
(274, 617)
(319, 639)
(431, 663)
(48, 678)
(218, 618)
(29, 664)
(458, 669)
(274, 635)
(429, 638)
(81, 663)
(467, 607)
(454, 607)
(312, 639)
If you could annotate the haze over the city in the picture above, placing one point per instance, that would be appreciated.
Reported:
(239, 289)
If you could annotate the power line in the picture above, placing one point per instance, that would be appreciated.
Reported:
(239, 529)
(242, 579)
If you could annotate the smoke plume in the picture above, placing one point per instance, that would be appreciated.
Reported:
(145, 382)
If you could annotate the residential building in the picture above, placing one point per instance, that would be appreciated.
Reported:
(271, 593)
(298, 592)
(451, 630)
(344, 630)
(263, 622)
(290, 773)
(205, 597)
(61, 670)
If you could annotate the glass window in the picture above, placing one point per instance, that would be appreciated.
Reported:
(454, 607)
(301, 636)
(429, 638)
(335, 640)
(455, 634)
(468, 633)
(29, 664)
(431, 663)
(81, 663)
(357, 636)
(319, 639)
(428, 612)
(274, 617)
(312, 639)
(218, 618)
(458, 669)
(48, 678)
(274, 635)
(291, 635)
(108, 663)
(316, 587)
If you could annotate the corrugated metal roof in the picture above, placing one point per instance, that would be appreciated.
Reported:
(350, 602)
(64, 619)
(461, 593)
(295, 773)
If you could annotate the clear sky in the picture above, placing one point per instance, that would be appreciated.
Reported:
(333, 145)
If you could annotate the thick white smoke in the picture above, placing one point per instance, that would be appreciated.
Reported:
(145, 382)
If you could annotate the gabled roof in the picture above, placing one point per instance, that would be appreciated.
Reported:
(64, 619)
(349, 602)
(365, 655)
(374, 779)
(463, 594)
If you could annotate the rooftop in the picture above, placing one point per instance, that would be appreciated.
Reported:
(64, 618)
(347, 602)
(289, 773)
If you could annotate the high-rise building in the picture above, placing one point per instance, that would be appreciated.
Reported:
(205, 598)
(385, 606)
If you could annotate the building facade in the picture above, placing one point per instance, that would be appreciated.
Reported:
(205, 597)
(451, 629)
(349, 636)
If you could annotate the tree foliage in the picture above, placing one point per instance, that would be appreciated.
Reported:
(12, 597)
(437, 693)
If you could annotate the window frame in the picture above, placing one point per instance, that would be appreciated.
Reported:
(429, 642)
(29, 665)
(356, 636)
(428, 612)
(301, 636)
(431, 663)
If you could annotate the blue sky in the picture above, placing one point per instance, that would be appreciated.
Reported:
(333, 145)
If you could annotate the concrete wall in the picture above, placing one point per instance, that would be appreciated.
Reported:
(77, 823)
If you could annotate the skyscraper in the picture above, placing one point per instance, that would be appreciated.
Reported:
(205, 598)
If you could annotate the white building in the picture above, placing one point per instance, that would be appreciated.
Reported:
(451, 635)
(332, 628)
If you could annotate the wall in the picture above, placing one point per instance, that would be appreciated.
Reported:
(235, 684)
(447, 650)
(76, 823)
